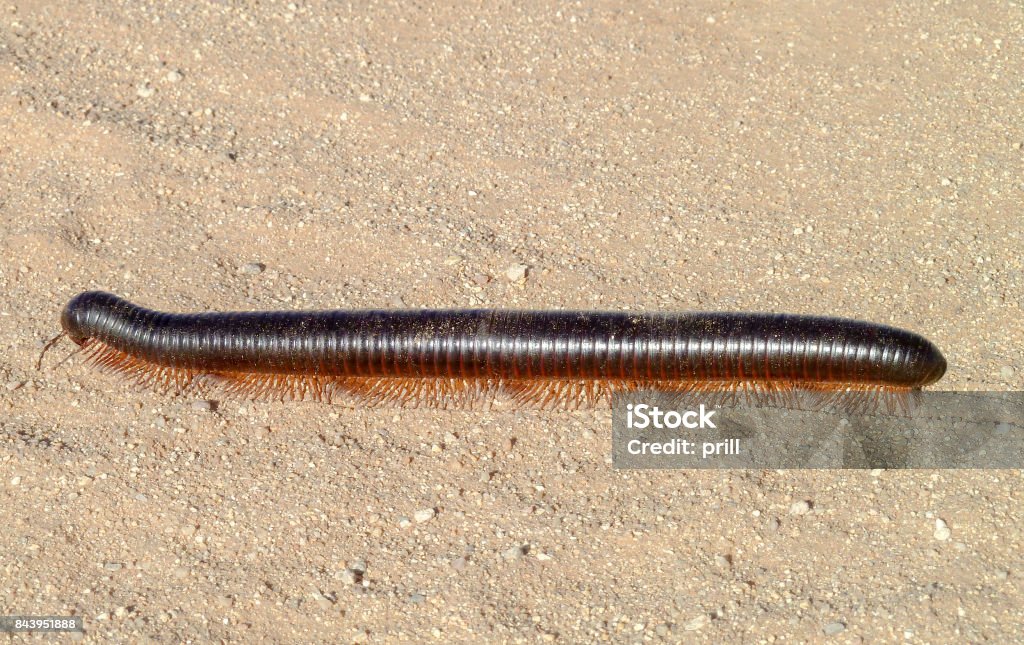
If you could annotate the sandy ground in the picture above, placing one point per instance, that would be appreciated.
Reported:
(670, 156)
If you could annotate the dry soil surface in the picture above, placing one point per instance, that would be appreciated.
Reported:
(810, 158)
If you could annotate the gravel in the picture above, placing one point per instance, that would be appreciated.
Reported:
(424, 515)
(516, 272)
(801, 507)
(831, 629)
(514, 553)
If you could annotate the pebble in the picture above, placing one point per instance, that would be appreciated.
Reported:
(424, 515)
(359, 566)
(1005, 371)
(802, 507)
(722, 560)
(459, 564)
(322, 601)
(14, 385)
(145, 91)
(224, 602)
(942, 531)
(350, 576)
(253, 268)
(417, 599)
(203, 406)
(833, 628)
(16, 480)
(514, 553)
(695, 624)
(174, 76)
(121, 612)
(516, 272)
(773, 524)
(404, 522)
(112, 566)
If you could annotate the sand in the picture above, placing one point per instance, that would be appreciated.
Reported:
(219, 155)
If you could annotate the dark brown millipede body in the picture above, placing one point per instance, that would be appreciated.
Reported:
(452, 356)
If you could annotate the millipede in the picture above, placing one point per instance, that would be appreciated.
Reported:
(456, 358)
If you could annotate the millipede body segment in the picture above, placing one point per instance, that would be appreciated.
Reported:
(457, 357)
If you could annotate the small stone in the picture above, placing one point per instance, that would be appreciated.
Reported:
(802, 507)
(16, 480)
(202, 406)
(121, 612)
(945, 181)
(359, 566)
(112, 566)
(1002, 574)
(417, 598)
(350, 577)
(1005, 371)
(723, 560)
(404, 522)
(145, 91)
(424, 515)
(516, 272)
(459, 563)
(514, 553)
(695, 624)
(253, 268)
(942, 532)
(773, 524)
(179, 572)
(832, 629)
(322, 601)
(14, 385)
(481, 279)
(174, 76)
